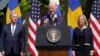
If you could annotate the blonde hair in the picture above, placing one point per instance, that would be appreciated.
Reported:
(86, 22)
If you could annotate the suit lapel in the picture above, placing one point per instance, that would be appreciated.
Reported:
(9, 26)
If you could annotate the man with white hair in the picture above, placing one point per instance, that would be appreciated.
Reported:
(52, 19)
(58, 10)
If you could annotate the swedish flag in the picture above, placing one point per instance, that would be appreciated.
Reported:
(74, 11)
(13, 5)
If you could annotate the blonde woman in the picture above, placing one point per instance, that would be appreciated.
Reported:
(82, 43)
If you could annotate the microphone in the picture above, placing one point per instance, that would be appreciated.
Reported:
(54, 18)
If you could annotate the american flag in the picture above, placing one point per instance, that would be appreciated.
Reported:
(34, 21)
(95, 25)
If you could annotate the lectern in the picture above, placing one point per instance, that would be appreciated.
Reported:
(53, 40)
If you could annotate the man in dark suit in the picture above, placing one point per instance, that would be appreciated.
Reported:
(52, 19)
(13, 37)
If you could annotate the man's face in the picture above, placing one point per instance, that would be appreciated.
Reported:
(14, 17)
(52, 8)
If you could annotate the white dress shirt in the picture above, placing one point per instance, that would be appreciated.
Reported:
(13, 27)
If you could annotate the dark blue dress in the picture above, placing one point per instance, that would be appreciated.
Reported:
(80, 37)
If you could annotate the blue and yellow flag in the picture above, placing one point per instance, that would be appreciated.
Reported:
(13, 5)
(74, 11)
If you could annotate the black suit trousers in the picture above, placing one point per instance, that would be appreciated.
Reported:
(12, 53)
(82, 51)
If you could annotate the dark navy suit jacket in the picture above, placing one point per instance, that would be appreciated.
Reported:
(59, 21)
(88, 37)
(16, 42)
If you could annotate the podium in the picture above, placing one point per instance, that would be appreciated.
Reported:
(47, 47)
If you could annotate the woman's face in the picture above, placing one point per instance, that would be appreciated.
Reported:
(81, 21)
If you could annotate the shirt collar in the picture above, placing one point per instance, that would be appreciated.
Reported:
(13, 24)
(84, 27)
(53, 16)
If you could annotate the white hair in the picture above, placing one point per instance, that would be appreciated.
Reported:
(54, 1)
